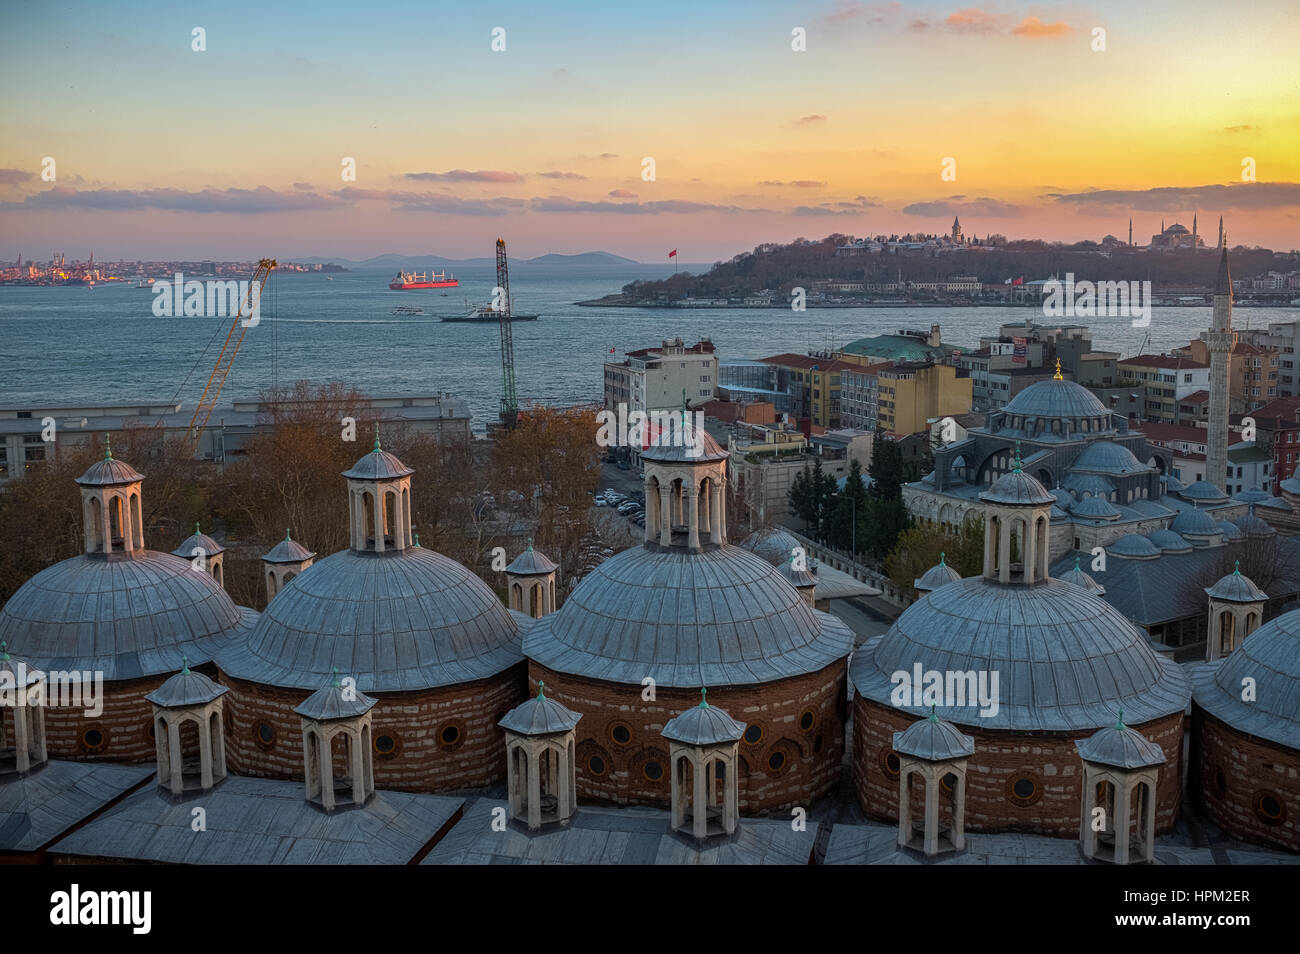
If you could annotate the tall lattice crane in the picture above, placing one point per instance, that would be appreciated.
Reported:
(229, 348)
(509, 396)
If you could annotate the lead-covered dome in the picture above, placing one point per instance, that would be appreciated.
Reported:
(1066, 659)
(401, 620)
(128, 616)
(1109, 457)
(773, 544)
(1052, 398)
(719, 617)
(1270, 657)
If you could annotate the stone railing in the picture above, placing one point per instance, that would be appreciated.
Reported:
(889, 590)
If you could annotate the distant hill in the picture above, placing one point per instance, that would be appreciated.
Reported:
(395, 261)
(582, 258)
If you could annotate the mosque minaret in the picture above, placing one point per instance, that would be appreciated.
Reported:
(1221, 341)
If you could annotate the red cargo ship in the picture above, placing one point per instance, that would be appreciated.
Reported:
(405, 281)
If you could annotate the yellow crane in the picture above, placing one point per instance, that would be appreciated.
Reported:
(229, 348)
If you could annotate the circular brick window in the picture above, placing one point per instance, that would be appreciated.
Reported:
(620, 733)
(653, 771)
(387, 746)
(1269, 807)
(94, 738)
(1024, 789)
(596, 766)
(807, 720)
(754, 734)
(889, 763)
(451, 736)
(264, 735)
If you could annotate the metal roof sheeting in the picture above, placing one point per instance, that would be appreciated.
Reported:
(1271, 657)
(1066, 660)
(718, 617)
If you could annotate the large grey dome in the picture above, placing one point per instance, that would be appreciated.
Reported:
(403, 620)
(1271, 657)
(1054, 398)
(1067, 660)
(1195, 522)
(126, 616)
(720, 617)
(1110, 458)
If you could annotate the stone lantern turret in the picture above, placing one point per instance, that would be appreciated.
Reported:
(530, 582)
(341, 712)
(541, 771)
(937, 751)
(283, 562)
(702, 749)
(210, 554)
(189, 697)
(22, 715)
(1120, 771)
(1236, 610)
(110, 506)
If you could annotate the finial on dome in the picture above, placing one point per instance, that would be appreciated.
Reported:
(286, 534)
(540, 686)
(941, 563)
(1058, 376)
(933, 716)
(376, 448)
(704, 697)
(417, 538)
(335, 682)
(1236, 568)
(108, 446)
(1018, 461)
(185, 663)
(4, 652)
(530, 543)
(1076, 561)
(196, 528)
(1120, 723)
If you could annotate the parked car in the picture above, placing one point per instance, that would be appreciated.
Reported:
(601, 501)
(627, 506)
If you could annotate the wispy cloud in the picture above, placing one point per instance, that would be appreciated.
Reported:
(960, 205)
(15, 176)
(561, 175)
(796, 183)
(465, 175)
(813, 119)
(1245, 196)
(1034, 27)
(621, 194)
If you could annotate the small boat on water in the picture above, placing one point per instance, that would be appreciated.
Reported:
(407, 310)
(486, 313)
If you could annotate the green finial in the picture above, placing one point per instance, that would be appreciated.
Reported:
(1076, 561)
(540, 686)
(530, 543)
(417, 539)
(1120, 723)
(1236, 568)
(4, 652)
(286, 533)
(335, 682)
(704, 698)
(376, 450)
(941, 556)
(933, 715)
(108, 446)
(185, 664)
(196, 528)
(1018, 461)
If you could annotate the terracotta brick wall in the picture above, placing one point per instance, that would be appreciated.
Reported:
(1231, 771)
(1049, 758)
(422, 760)
(124, 725)
(812, 755)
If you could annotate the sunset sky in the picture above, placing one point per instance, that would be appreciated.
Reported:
(236, 152)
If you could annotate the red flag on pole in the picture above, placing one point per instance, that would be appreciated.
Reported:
(673, 253)
(1019, 281)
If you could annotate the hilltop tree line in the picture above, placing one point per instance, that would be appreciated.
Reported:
(779, 268)
(534, 482)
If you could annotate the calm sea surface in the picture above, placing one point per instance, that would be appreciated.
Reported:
(73, 345)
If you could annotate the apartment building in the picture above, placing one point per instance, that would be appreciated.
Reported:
(656, 379)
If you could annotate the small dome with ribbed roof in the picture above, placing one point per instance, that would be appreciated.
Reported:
(379, 464)
(933, 740)
(287, 550)
(109, 472)
(539, 716)
(1236, 588)
(1202, 491)
(335, 701)
(1193, 521)
(1119, 746)
(1095, 508)
(186, 688)
(935, 577)
(1132, 546)
(703, 725)
(532, 563)
(1017, 488)
(1169, 541)
(1079, 578)
(198, 540)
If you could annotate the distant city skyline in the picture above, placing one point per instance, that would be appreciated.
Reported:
(236, 151)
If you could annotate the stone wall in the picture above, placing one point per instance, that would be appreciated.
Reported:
(444, 739)
(796, 759)
(124, 726)
(1234, 773)
(1001, 757)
